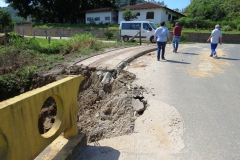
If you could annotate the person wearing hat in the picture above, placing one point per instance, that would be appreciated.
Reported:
(216, 37)
(177, 31)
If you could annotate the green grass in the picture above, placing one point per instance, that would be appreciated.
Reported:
(82, 26)
(187, 30)
(116, 27)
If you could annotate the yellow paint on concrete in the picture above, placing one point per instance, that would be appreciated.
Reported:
(63, 148)
(199, 73)
(19, 119)
(208, 65)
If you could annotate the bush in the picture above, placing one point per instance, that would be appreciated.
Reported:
(109, 35)
(238, 27)
(226, 28)
(184, 37)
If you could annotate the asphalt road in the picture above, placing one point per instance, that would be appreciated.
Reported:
(205, 91)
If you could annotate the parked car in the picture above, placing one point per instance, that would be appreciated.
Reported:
(130, 29)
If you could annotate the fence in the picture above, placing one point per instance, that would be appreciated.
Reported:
(29, 30)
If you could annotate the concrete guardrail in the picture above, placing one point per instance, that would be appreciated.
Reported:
(19, 133)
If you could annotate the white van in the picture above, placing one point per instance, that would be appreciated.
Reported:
(130, 29)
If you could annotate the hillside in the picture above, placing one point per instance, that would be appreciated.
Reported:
(13, 13)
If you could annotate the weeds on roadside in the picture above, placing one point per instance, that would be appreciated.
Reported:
(22, 57)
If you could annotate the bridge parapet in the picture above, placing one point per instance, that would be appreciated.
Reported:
(19, 133)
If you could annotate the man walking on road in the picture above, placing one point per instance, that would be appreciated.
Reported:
(177, 31)
(161, 35)
(216, 37)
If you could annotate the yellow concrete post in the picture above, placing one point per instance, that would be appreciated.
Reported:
(19, 134)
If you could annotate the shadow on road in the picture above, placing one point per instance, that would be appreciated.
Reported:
(98, 153)
(191, 54)
(231, 59)
(172, 61)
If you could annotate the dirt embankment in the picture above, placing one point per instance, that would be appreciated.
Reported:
(108, 103)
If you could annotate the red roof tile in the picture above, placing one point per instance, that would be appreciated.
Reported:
(100, 10)
(146, 5)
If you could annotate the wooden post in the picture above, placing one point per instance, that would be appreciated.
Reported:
(60, 35)
(140, 37)
(46, 33)
(49, 40)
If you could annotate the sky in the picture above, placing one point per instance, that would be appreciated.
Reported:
(3, 4)
(172, 4)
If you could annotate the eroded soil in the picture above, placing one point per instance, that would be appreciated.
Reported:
(108, 102)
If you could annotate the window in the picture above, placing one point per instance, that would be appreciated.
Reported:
(169, 17)
(138, 13)
(146, 26)
(150, 15)
(131, 26)
(97, 18)
(107, 18)
(88, 18)
(114, 18)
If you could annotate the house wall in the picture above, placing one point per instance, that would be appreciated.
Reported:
(102, 16)
(159, 15)
(142, 17)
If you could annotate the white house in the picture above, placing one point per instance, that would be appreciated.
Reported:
(152, 12)
(104, 15)
(147, 11)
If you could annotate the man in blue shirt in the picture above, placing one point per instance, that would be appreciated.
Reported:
(161, 35)
(216, 37)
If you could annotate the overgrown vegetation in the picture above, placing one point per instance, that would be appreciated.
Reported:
(21, 58)
(109, 35)
(205, 14)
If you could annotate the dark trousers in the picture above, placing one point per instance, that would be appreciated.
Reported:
(161, 46)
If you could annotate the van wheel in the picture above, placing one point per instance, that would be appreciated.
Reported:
(152, 39)
(125, 38)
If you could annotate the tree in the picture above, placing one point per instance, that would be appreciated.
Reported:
(213, 10)
(177, 10)
(57, 11)
(133, 2)
(5, 19)
(128, 15)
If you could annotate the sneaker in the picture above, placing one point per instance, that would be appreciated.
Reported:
(163, 59)
(174, 50)
(211, 56)
(215, 56)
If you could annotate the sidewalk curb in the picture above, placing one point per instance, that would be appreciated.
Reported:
(124, 63)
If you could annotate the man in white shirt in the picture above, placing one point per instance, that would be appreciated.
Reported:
(216, 37)
(161, 36)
